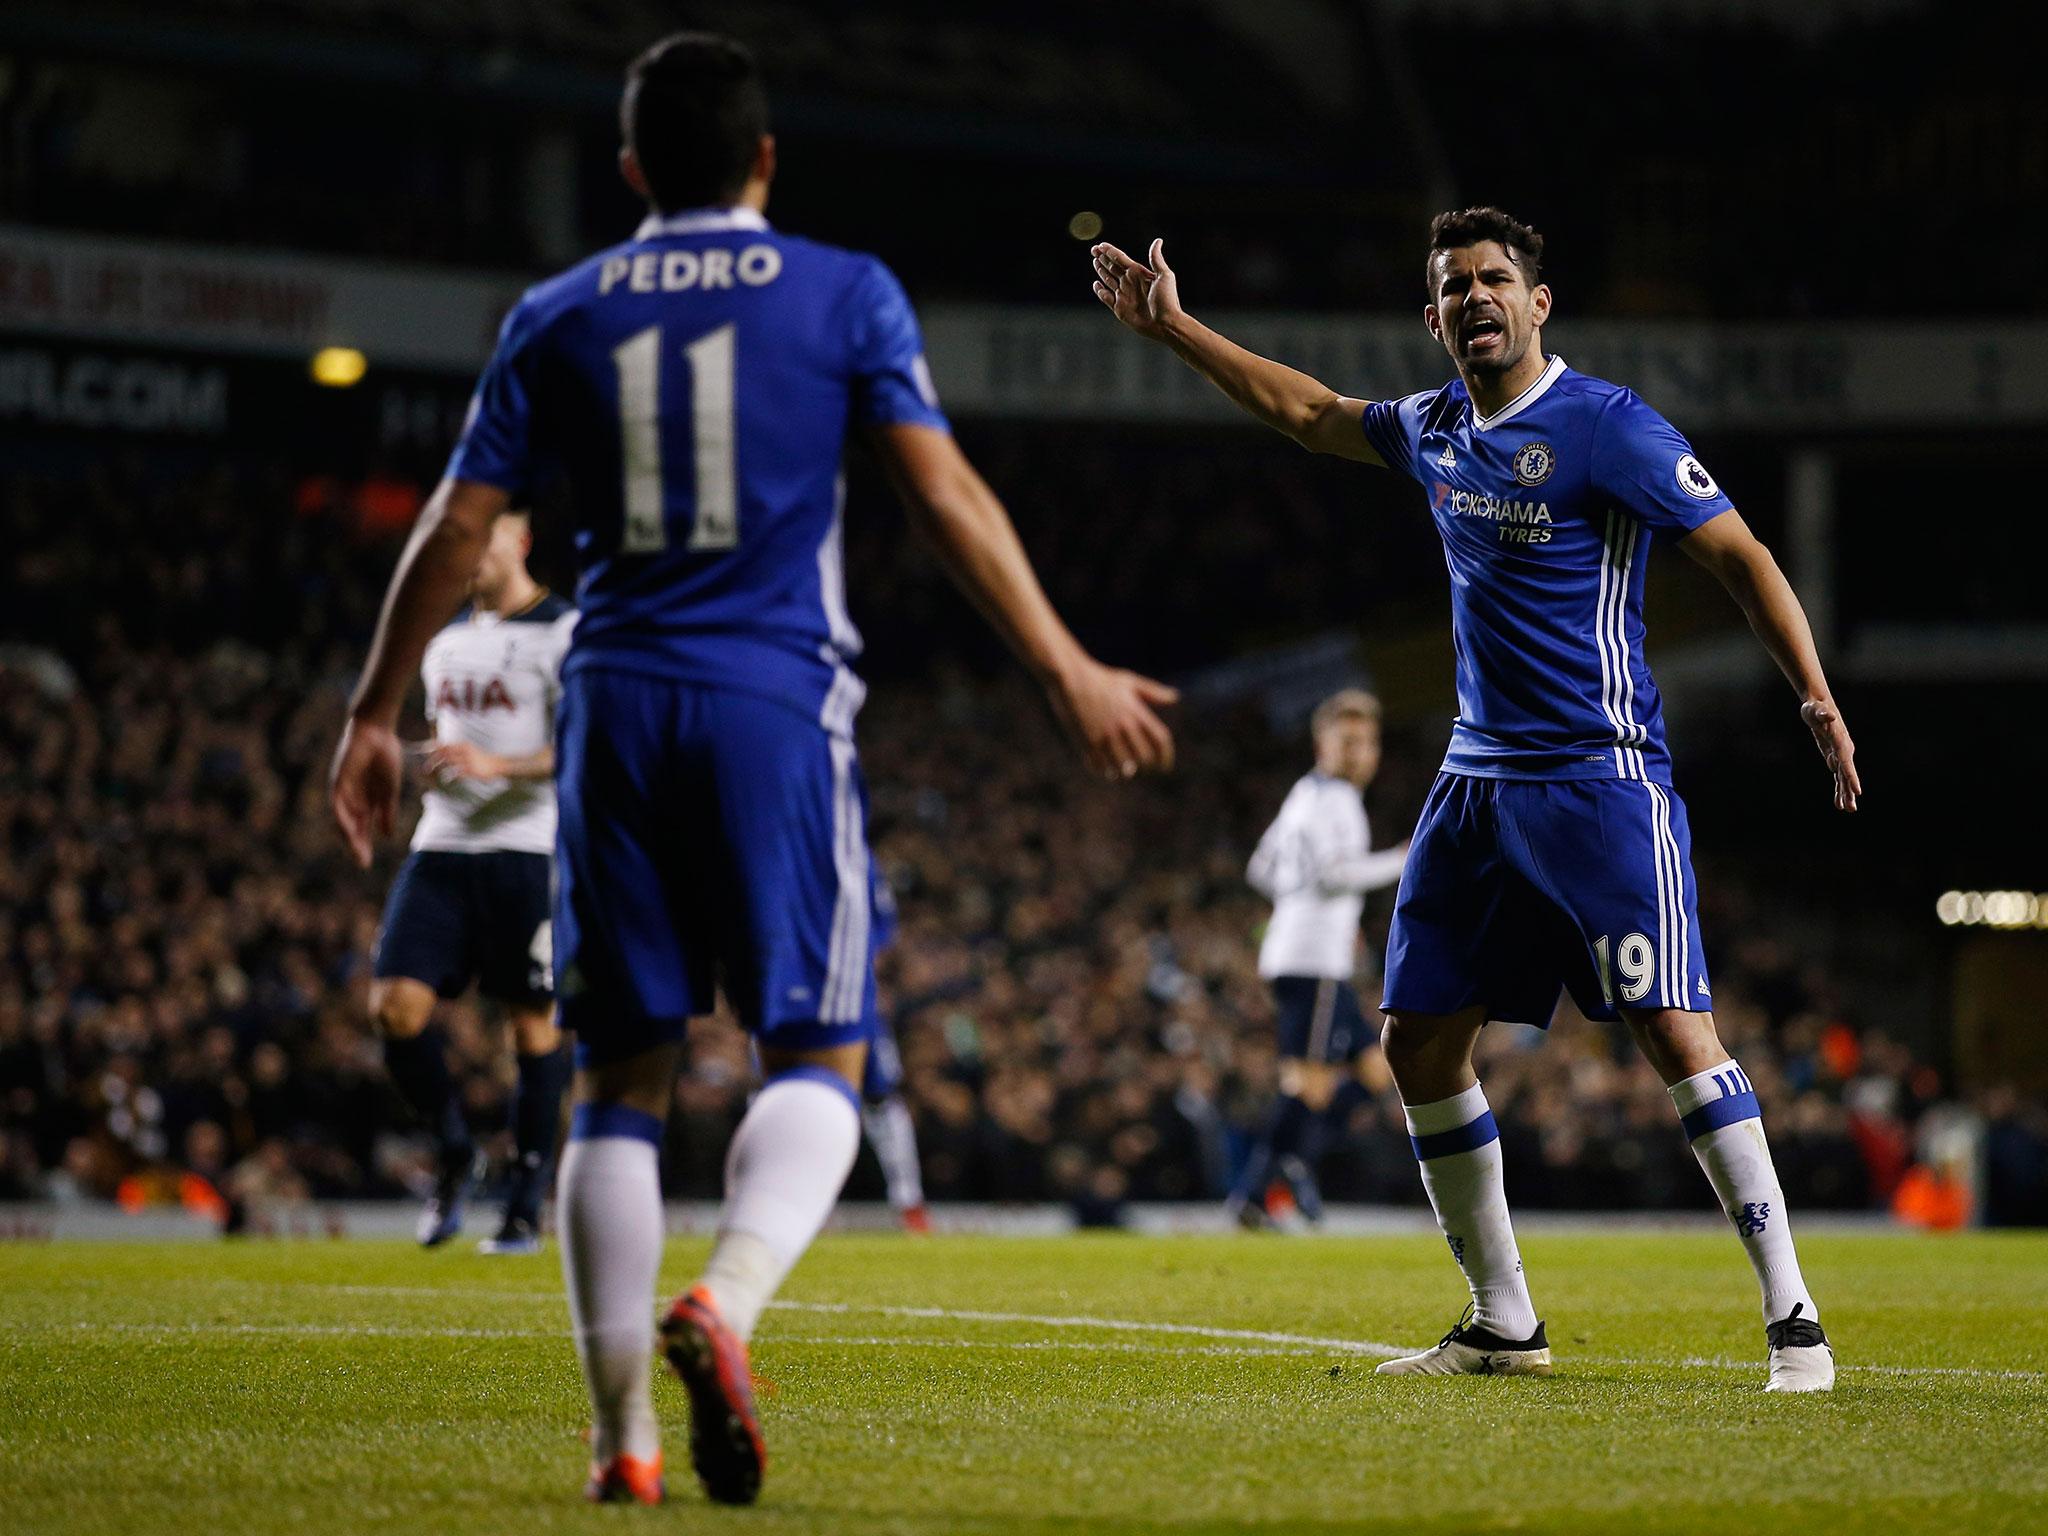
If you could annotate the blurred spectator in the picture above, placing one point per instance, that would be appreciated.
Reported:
(183, 947)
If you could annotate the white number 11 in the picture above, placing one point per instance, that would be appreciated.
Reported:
(710, 359)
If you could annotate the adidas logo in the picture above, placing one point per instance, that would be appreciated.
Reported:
(1448, 459)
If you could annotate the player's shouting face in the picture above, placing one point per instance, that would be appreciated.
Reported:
(1483, 307)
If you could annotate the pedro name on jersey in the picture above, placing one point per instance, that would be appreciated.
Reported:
(1547, 510)
(694, 387)
(494, 682)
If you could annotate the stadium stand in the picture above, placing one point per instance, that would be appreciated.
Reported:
(183, 947)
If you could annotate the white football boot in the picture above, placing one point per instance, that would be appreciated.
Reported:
(1470, 1350)
(1800, 1358)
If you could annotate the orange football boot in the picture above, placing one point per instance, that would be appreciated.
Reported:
(626, 1480)
(710, 1360)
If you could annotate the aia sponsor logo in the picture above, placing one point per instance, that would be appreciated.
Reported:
(465, 695)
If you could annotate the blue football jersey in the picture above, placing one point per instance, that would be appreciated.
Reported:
(1547, 510)
(695, 387)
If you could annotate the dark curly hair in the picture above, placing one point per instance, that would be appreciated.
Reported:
(1469, 226)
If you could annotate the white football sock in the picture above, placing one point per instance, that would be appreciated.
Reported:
(608, 1207)
(783, 1172)
(894, 1139)
(1719, 1111)
(1458, 1146)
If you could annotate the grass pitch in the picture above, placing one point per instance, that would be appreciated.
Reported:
(1011, 1385)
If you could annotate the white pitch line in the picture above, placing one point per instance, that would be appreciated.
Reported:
(1721, 1363)
(1297, 1341)
(954, 1314)
(1095, 1346)
(1106, 1324)
(317, 1330)
(381, 1331)
(474, 1293)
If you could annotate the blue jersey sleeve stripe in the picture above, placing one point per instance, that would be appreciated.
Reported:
(1468, 1137)
(1711, 1117)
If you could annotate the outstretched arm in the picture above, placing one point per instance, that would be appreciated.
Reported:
(1108, 711)
(1356, 872)
(1740, 562)
(1262, 874)
(432, 576)
(467, 760)
(1145, 295)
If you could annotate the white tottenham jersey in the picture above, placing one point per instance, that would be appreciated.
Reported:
(494, 681)
(1316, 864)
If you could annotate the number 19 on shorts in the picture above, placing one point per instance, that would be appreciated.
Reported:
(1634, 958)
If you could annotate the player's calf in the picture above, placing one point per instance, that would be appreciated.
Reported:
(1457, 1146)
(783, 1173)
(893, 1135)
(415, 1056)
(543, 1066)
(1279, 1133)
(610, 1219)
(1718, 1108)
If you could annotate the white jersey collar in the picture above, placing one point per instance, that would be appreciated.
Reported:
(1524, 400)
(698, 221)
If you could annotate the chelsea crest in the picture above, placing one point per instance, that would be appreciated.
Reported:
(1534, 462)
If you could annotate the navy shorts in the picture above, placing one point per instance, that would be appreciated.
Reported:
(708, 837)
(453, 918)
(1516, 889)
(1320, 1019)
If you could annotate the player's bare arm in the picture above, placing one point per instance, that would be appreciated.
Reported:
(1145, 295)
(1741, 563)
(1358, 871)
(1111, 712)
(467, 760)
(430, 583)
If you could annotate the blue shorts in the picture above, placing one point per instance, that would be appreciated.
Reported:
(708, 838)
(1517, 888)
(453, 918)
(882, 1077)
(1320, 1019)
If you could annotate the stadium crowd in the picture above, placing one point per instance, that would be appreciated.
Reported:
(184, 948)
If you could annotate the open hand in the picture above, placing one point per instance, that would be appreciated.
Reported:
(1110, 713)
(362, 786)
(1145, 295)
(1836, 749)
(450, 760)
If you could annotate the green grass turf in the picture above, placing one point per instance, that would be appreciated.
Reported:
(367, 1387)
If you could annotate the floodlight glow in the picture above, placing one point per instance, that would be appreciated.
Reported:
(1992, 909)
(338, 367)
